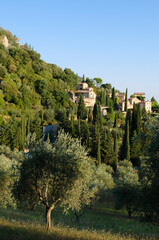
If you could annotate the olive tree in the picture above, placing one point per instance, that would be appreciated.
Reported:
(50, 171)
(9, 163)
(127, 188)
(88, 188)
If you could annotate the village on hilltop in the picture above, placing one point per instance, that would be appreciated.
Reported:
(90, 98)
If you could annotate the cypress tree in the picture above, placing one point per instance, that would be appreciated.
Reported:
(83, 78)
(79, 127)
(135, 150)
(98, 148)
(28, 125)
(87, 134)
(36, 126)
(103, 97)
(107, 100)
(72, 124)
(129, 118)
(113, 94)
(126, 143)
(115, 162)
(107, 151)
(126, 100)
(115, 121)
(23, 131)
(133, 123)
(90, 116)
(97, 114)
(138, 119)
(82, 111)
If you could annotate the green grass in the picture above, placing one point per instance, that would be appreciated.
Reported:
(101, 222)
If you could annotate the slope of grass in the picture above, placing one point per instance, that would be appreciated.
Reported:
(99, 223)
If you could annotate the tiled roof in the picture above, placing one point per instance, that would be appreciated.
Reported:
(139, 93)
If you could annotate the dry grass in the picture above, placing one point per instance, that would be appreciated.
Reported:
(98, 224)
(26, 231)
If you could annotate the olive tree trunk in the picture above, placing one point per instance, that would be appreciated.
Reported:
(48, 217)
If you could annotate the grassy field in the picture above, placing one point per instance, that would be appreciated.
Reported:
(102, 222)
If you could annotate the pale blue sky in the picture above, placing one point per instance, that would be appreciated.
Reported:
(116, 40)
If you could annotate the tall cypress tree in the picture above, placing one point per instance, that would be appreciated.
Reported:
(103, 97)
(72, 124)
(126, 142)
(98, 148)
(107, 100)
(90, 116)
(79, 127)
(113, 94)
(83, 78)
(126, 100)
(97, 114)
(115, 162)
(28, 125)
(82, 111)
(36, 126)
(138, 119)
(87, 133)
(115, 121)
(107, 151)
(23, 131)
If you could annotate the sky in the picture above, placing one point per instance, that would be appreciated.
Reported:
(115, 40)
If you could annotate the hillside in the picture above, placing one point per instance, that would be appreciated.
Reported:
(26, 81)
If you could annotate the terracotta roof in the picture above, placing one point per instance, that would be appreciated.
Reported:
(139, 93)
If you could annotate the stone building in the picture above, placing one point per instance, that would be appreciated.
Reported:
(87, 93)
(133, 100)
(4, 41)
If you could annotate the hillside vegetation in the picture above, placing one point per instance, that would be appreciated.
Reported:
(26, 81)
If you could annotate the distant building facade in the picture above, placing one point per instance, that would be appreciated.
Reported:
(87, 93)
(147, 105)
(4, 41)
(18, 41)
(139, 94)
(134, 100)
